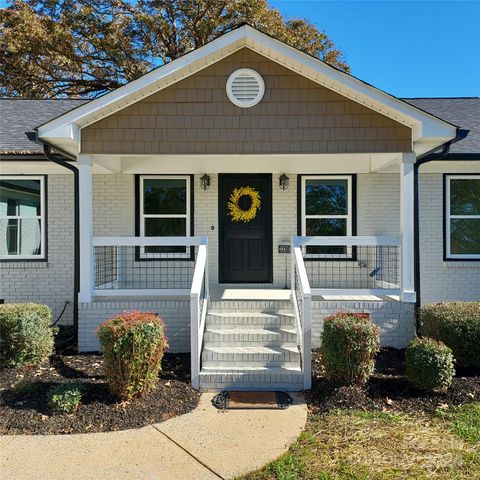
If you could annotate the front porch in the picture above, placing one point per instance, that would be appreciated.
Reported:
(247, 337)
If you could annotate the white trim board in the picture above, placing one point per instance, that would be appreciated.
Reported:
(64, 131)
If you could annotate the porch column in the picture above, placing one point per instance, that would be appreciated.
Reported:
(84, 164)
(407, 280)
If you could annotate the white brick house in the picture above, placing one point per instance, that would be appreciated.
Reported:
(368, 203)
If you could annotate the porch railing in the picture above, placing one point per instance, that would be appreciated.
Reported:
(354, 265)
(363, 265)
(144, 266)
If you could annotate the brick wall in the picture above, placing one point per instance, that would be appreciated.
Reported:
(176, 315)
(395, 319)
(49, 282)
(440, 280)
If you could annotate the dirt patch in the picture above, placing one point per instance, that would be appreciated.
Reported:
(24, 407)
(388, 389)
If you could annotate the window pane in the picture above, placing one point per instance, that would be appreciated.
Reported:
(164, 196)
(20, 237)
(329, 227)
(465, 236)
(326, 227)
(165, 227)
(326, 197)
(465, 196)
(20, 197)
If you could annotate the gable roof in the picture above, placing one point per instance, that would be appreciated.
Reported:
(464, 112)
(64, 132)
(18, 116)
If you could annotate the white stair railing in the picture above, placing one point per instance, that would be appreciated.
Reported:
(302, 303)
(199, 295)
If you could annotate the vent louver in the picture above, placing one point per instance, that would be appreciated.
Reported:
(245, 87)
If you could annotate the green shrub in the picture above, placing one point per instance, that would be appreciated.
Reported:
(457, 325)
(26, 335)
(349, 344)
(429, 364)
(65, 397)
(133, 345)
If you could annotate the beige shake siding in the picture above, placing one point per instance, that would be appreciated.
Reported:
(295, 115)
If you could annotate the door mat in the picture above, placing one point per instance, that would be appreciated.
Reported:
(235, 400)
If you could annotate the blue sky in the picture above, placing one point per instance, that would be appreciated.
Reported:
(408, 48)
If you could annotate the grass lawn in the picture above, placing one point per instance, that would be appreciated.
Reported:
(363, 445)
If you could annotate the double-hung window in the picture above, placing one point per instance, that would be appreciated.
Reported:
(326, 211)
(165, 212)
(462, 217)
(22, 218)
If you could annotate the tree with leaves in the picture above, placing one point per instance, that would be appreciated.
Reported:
(84, 48)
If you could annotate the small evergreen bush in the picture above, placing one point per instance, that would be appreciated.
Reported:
(457, 325)
(26, 335)
(350, 342)
(65, 397)
(133, 345)
(429, 365)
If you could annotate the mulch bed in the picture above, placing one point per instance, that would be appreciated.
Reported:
(24, 408)
(389, 390)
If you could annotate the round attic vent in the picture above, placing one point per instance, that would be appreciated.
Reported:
(245, 87)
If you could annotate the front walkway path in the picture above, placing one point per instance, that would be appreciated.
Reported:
(204, 444)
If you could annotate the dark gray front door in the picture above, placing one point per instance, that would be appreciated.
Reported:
(245, 248)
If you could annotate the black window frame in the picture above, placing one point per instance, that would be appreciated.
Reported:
(138, 218)
(321, 258)
(44, 199)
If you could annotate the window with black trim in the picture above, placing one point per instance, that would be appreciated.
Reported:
(462, 217)
(326, 211)
(165, 212)
(22, 217)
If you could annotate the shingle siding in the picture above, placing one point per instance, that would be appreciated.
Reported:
(295, 115)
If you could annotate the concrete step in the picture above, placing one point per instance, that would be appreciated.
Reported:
(244, 335)
(251, 378)
(235, 317)
(256, 355)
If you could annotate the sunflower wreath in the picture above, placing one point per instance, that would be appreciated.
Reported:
(236, 212)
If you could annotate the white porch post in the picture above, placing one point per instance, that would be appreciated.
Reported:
(84, 164)
(407, 279)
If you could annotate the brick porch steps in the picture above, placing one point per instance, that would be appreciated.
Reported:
(250, 349)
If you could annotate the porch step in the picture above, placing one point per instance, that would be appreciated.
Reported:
(247, 348)
(236, 317)
(245, 335)
(256, 355)
(252, 378)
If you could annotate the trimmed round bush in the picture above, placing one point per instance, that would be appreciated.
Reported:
(350, 342)
(65, 397)
(429, 365)
(133, 345)
(457, 325)
(26, 334)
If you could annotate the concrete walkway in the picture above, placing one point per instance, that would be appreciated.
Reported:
(204, 444)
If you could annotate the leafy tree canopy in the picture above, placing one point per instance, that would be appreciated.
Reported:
(55, 48)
